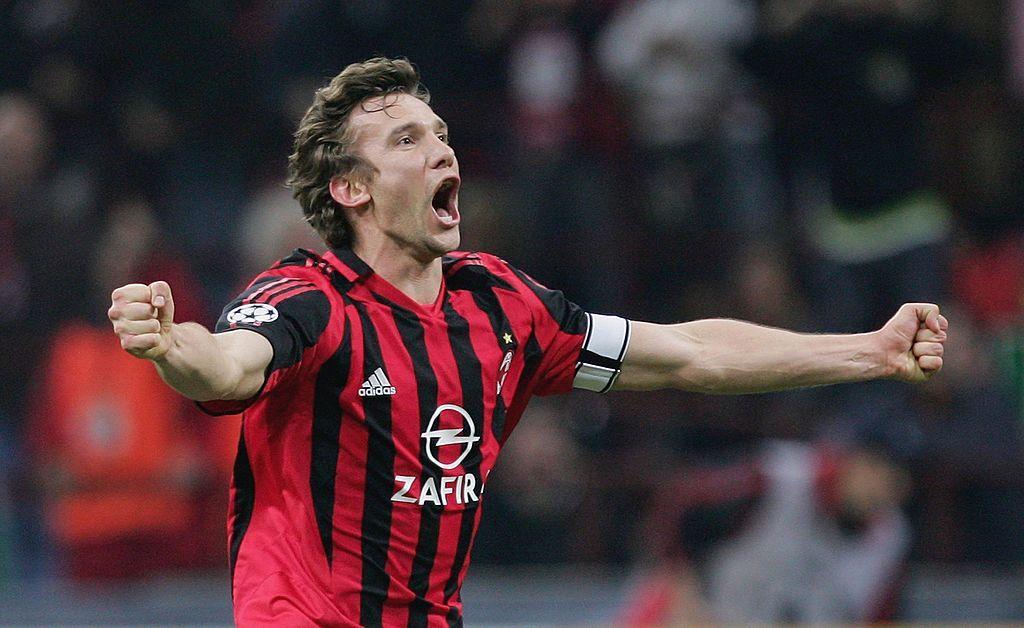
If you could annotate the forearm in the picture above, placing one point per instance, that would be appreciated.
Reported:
(197, 366)
(733, 357)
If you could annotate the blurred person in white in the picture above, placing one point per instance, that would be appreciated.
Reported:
(818, 548)
(800, 533)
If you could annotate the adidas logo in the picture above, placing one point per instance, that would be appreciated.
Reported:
(377, 385)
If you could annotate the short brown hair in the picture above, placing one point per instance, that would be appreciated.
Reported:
(323, 143)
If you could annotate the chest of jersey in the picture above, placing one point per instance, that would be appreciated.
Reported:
(431, 389)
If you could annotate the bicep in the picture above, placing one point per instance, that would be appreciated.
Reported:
(656, 356)
(248, 355)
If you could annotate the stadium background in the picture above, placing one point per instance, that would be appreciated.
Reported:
(807, 164)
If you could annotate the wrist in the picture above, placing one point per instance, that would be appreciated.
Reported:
(881, 365)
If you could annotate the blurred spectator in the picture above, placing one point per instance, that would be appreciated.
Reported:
(117, 455)
(269, 229)
(820, 538)
(562, 131)
(41, 202)
(703, 173)
(851, 84)
(852, 81)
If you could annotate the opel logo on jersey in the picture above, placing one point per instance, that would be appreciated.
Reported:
(253, 313)
(440, 439)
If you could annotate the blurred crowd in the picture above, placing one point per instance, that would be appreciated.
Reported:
(809, 164)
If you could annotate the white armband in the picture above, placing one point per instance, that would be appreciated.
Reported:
(601, 356)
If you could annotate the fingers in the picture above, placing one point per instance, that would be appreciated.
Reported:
(927, 335)
(137, 311)
(922, 349)
(142, 316)
(132, 293)
(147, 326)
(140, 344)
(927, 338)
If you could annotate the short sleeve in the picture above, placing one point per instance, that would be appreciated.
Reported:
(579, 349)
(290, 312)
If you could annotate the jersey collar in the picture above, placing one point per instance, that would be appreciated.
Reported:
(346, 262)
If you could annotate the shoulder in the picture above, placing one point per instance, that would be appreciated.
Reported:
(471, 268)
(295, 281)
(301, 268)
(457, 262)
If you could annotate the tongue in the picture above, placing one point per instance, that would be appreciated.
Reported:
(442, 212)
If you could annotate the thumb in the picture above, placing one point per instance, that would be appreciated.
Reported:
(160, 297)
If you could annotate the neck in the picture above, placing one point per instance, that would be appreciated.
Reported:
(419, 279)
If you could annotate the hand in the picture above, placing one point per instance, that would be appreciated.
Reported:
(143, 317)
(913, 342)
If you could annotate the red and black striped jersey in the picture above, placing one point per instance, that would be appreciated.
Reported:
(364, 457)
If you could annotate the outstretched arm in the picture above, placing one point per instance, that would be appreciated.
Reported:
(733, 357)
(200, 365)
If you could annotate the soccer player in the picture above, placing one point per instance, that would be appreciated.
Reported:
(380, 379)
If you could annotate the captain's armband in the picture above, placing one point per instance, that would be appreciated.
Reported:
(600, 359)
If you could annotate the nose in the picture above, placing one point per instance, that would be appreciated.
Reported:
(443, 155)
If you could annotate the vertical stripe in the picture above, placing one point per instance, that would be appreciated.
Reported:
(412, 332)
(489, 304)
(471, 377)
(243, 498)
(323, 470)
(380, 468)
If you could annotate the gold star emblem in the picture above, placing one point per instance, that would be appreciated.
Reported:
(508, 338)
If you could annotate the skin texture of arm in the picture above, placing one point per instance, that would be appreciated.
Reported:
(733, 357)
(200, 365)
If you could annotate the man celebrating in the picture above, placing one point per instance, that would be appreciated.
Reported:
(380, 379)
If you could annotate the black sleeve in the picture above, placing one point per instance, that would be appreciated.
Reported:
(290, 312)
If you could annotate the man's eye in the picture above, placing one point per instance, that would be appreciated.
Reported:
(443, 137)
(405, 140)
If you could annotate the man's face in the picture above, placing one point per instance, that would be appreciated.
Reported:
(414, 192)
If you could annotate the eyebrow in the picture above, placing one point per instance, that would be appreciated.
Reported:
(439, 124)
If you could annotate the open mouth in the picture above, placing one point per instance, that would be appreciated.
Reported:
(445, 202)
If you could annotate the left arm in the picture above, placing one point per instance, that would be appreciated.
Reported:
(733, 357)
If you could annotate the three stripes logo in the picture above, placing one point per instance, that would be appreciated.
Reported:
(377, 385)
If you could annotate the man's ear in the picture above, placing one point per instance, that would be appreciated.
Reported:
(349, 191)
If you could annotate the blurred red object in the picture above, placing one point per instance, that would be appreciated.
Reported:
(989, 280)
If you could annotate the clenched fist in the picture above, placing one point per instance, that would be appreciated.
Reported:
(143, 317)
(913, 341)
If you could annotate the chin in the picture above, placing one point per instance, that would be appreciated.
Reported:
(446, 242)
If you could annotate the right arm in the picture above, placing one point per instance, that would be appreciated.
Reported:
(198, 364)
